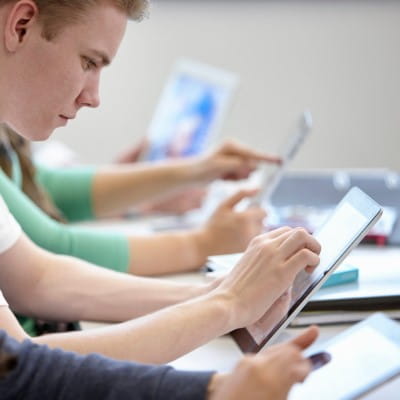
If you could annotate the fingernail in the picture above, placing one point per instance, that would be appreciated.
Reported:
(318, 360)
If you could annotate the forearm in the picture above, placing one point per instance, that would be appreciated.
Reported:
(167, 253)
(155, 338)
(116, 188)
(88, 292)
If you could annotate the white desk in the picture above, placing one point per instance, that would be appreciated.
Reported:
(222, 354)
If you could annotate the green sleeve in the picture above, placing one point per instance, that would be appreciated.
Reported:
(108, 249)
(70, 189)
(28, 325)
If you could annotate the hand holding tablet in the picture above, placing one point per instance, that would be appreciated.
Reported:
(269, 375)
(266, 270)
(362, 357)
(341, 232)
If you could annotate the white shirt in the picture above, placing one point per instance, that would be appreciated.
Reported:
(10, 231)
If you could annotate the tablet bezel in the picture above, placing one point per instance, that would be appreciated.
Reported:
(204, 72)
(372, 212)
(270, 179)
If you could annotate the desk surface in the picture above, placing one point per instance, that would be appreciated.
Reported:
(222, 354)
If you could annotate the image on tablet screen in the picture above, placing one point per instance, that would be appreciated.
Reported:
(190, 111)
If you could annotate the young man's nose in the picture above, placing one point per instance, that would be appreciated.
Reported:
(89, 97)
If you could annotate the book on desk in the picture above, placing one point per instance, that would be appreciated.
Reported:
(378, 289)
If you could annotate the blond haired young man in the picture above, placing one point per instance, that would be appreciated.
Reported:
(51, 56)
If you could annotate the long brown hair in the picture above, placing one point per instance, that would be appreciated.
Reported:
(12, 142)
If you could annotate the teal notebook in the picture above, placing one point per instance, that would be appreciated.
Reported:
(346, 273)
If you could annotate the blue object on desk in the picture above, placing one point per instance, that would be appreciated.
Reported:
(344, 274)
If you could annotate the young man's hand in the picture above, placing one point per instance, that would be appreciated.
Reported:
(267, 375)
(266, 270)
(230, 231)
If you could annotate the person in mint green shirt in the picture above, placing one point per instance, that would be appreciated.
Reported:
(59, 196)
(44, 200)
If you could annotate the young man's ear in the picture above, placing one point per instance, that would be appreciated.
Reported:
(21, 18)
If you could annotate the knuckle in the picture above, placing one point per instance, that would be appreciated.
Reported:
(315, 259)
(306, 256)
(257, 241)
(304, 253)
(263, 213)
(228, 144)
(259, 214)
(293, 352)
(245, 361)
(299, 373)
(317, 246)
(247, 364)
(300, 234)
(266, 250)
(233, 141)
(247, 226)
(257, 229)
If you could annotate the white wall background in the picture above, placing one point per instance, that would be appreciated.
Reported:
(340, 58)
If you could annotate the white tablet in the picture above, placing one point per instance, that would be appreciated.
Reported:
(362, 357)
(342, 231)
(191, 110)
(270, 179)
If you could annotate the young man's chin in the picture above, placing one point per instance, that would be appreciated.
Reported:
(34, 135)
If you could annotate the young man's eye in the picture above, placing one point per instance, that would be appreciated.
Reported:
(89, 64)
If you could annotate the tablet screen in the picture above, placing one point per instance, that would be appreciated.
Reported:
(359, 362)
(190, 110)
(345, 226)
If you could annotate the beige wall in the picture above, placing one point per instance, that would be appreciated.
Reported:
(339, 58)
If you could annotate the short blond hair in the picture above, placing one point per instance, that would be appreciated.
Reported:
(56, 14)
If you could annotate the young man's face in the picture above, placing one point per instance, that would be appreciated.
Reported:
(46, 82)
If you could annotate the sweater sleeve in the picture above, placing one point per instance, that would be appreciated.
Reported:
(70, 189)
(47, 374)
(107, 249)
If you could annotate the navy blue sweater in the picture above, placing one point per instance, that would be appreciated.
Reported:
(47, 374)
